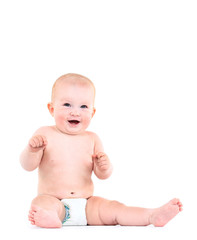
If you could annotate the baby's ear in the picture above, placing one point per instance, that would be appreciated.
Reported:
(93, 112)
(51, 108)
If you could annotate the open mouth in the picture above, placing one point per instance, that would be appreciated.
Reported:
(74, 122)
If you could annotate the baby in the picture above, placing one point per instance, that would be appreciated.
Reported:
(66, 155)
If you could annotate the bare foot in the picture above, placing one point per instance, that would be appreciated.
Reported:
(44, 218)
(164, 214)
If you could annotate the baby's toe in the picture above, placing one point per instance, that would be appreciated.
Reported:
(175, 201)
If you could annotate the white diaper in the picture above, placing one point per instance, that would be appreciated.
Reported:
(75, 211)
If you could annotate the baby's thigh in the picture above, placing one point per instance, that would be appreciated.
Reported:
(99, 211)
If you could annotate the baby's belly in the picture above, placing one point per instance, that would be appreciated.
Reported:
(65, 186)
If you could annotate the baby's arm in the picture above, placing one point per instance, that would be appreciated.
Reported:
(102, 165)
(31, 156)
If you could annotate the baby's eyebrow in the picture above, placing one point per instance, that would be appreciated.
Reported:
(65, 100)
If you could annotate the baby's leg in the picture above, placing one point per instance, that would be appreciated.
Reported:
(104, 212)
(46, 211)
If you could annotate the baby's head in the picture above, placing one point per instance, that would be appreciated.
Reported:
(72, 78)
(72, 103)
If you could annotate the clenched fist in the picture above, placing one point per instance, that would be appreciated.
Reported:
(101, 161)
(37, 142)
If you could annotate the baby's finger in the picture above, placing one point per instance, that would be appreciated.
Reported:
(98, 159)
(104, 167)
(45, 141)
(102, 163)
(37, 141)
(100, 154)
(40, 141)
(32, 143)
(103, 158)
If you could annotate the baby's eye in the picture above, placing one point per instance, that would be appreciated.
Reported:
(67, 105)
(84, 106)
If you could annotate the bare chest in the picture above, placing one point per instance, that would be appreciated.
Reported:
(64, 155)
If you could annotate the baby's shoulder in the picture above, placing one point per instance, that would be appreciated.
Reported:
(98, 146)
(45, 130)
(92, 135)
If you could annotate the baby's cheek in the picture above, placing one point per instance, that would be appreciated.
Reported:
(60, 117)
(87, 120)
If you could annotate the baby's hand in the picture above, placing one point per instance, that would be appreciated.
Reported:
(101, 161)
(37, 142)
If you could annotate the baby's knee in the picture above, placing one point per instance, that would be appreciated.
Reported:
(40, 200)
(45, 201)
(115, 204)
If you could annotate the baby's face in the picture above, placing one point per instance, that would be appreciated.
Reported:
(73, 107)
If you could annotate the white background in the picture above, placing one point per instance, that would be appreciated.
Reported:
(142, 57)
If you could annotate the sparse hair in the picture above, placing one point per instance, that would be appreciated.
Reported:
(72, 78)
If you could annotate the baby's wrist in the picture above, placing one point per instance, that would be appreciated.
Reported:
(105, 173)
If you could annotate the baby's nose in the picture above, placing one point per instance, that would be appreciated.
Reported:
(75, 112)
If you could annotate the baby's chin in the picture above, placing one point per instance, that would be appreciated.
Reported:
(71, 131)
